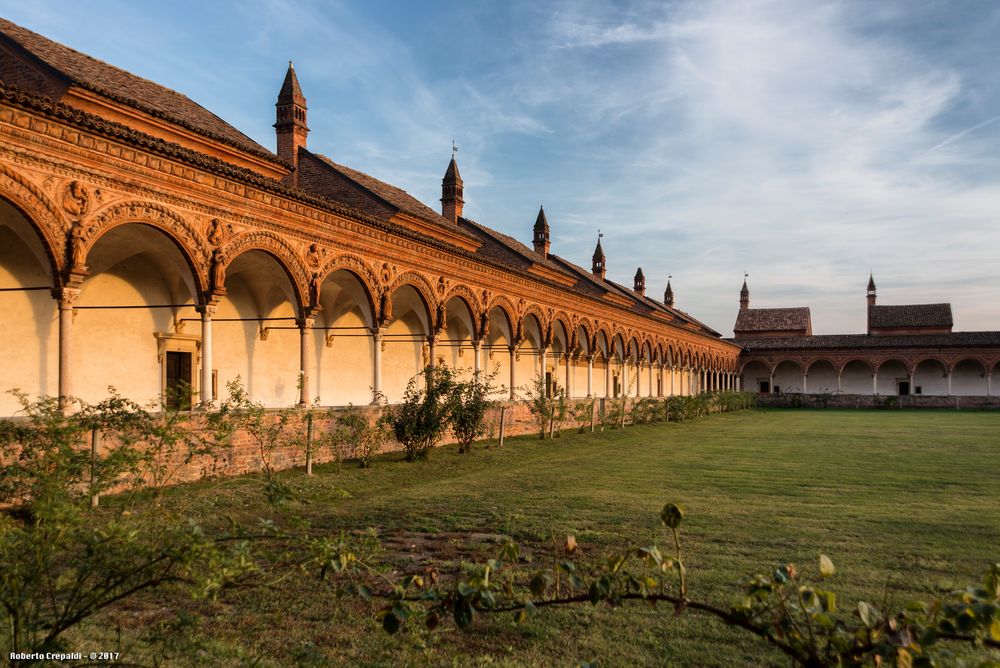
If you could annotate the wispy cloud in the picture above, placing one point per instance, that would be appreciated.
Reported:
(804, 142)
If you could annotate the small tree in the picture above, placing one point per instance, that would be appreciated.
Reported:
(365, 435)
(469, 404)
(547, 405)
(61, 562)
(420, 420)
(266, 428)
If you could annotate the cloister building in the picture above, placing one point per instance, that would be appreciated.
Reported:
(908, 350)
(148, 245)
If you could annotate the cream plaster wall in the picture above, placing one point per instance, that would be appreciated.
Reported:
(118, 347)
(29, 344)
(268, 368)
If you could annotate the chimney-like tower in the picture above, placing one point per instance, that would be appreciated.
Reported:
(598, 265)
(744, 296)
(451, 192)
(871, 299)
(290, 123)
(541, 239)
(668, 295)
(639, 283)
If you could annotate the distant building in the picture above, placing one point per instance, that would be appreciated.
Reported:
(908, 349)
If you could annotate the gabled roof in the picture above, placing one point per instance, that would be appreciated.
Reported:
(774, 320)
(852, 341)
(911, 315)
(78, 69)
(367, 193)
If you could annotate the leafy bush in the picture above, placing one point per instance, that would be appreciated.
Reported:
(365, 436)
(419, 421)
(583, 414)
(62, 562)
(548, 411)
(469, 404)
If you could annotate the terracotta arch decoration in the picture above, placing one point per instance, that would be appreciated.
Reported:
(418, 283)
(355, 266)
(183, 234)
(49, 224)
(273, 245)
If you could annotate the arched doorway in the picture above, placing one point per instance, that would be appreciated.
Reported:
(342, 341)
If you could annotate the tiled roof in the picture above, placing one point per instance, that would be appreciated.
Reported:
(849, 341)
(116, 84)
(395, 197)
(911, 315)
(505, 247)
(773, 320)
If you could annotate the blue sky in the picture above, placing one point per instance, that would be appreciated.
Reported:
(806, 142)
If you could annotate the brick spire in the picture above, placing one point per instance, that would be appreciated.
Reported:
(290, 121)
(541, 239)
(639, 283)
(668, 295)
(598, 265)
(451, 192)
(870, 294)
(744, 295)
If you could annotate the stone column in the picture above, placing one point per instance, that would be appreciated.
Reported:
(607, 377)
(590, 375)
(805, 383)
(432, 348)
(650, 393)
(513, 382)
(875, 383)
(989, 382)
(840, 383)
(569, 377)
(376, 365)
(949, 383)
(207, 311)
(67, 297)
(912, 386)
(476, 364)
(305, 338)
(673, 372)
(625, 378)
(770, 383)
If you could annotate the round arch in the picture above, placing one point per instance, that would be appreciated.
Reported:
(274, 246)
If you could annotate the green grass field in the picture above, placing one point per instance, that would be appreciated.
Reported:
(905, 502)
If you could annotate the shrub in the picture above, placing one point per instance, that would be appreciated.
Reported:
(548, 411)
(365, 436)
(419, 421)
(469, 404)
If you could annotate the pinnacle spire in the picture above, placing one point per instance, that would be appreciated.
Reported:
(452, 201)
(639, 282)
(291, 92)
(290, 122)
(598, 263)
(871, 282)
(668, 294)
(542, 237)
(744, 294)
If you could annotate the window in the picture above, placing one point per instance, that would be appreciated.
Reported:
(764, 386)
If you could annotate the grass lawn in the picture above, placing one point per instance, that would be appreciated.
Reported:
(903, 501)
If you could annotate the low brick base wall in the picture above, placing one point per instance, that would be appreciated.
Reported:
(242, 455)
(869, 401)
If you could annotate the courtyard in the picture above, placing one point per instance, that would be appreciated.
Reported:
(906, 503)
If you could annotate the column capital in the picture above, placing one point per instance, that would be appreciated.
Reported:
(67, 296)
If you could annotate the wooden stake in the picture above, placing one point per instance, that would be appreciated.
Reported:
(95, 498)
(309, 443)
(503, 410)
